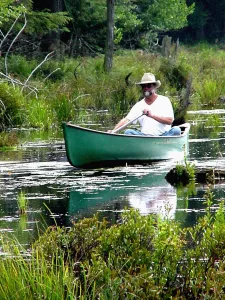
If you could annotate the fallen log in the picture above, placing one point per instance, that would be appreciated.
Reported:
(202, 175)
(209, 175)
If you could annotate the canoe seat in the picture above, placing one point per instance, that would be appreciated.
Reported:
(184, 127)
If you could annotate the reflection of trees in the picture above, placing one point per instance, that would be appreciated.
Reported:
(206, 148)
(191, 206)
(206, 126)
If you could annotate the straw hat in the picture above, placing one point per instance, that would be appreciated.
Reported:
(149, 78)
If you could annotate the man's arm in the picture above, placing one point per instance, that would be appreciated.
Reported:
(121, 123)
(160, 119)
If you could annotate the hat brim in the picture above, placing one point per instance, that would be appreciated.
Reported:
(157, 83)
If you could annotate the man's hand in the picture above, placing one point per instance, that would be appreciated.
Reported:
(147, 112)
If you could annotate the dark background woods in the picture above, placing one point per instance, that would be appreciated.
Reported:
(79, 27)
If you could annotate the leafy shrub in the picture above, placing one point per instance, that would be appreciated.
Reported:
(176, 73)
(76, 243)
(20, 67)
(143, 257)
(11, 106)
(8, 139)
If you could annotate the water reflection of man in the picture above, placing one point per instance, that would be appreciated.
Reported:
(160, 200)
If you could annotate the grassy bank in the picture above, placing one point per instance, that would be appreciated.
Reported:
(143, 257)
(82, 83)
(70, 89)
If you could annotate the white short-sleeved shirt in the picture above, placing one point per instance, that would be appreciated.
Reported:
(160, 107)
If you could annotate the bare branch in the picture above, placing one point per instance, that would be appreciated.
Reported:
(5, 36)
(51, 73)
(18, 34)
(16, 81)
(32, 91)
(3, 105)
(89, 47)
(157, 42)
(46, 59)
(80, 96)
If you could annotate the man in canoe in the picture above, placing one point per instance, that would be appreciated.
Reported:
(154, 112)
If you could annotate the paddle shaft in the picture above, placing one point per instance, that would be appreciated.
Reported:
(125, 125)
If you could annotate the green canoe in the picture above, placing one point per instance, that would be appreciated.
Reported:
(86, 148)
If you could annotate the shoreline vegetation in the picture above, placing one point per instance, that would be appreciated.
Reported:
(66, 90)
(142, 257)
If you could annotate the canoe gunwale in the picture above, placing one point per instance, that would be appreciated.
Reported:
(185, 127)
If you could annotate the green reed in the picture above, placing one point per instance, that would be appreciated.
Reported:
(31, 276)
(209, 91)
(22, 203)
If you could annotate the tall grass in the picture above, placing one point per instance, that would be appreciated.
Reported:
(34, 277)
(81, 83)
(209, 91)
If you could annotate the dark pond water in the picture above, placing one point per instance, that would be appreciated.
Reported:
(59, 193)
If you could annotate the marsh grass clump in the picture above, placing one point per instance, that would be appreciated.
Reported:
(182, 174)
(11, 106)
(28, 275)
(20, 66)
(8, 139)
(209, 91)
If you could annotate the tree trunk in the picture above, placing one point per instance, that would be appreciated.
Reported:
(57, 6)
(110, 36)
(166, 46)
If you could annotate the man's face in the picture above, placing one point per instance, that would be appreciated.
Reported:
(148, 89)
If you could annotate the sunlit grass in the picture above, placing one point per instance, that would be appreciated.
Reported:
(81, 84)
(40, 114)
(209, 91)
(25, 276)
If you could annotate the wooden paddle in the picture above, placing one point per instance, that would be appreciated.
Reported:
(125, 125)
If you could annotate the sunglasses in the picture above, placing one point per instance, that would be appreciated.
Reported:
(148, 85)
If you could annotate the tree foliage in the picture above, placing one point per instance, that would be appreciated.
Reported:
(133, 19)
(9, 10)
(166, 15)
(44, 22)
